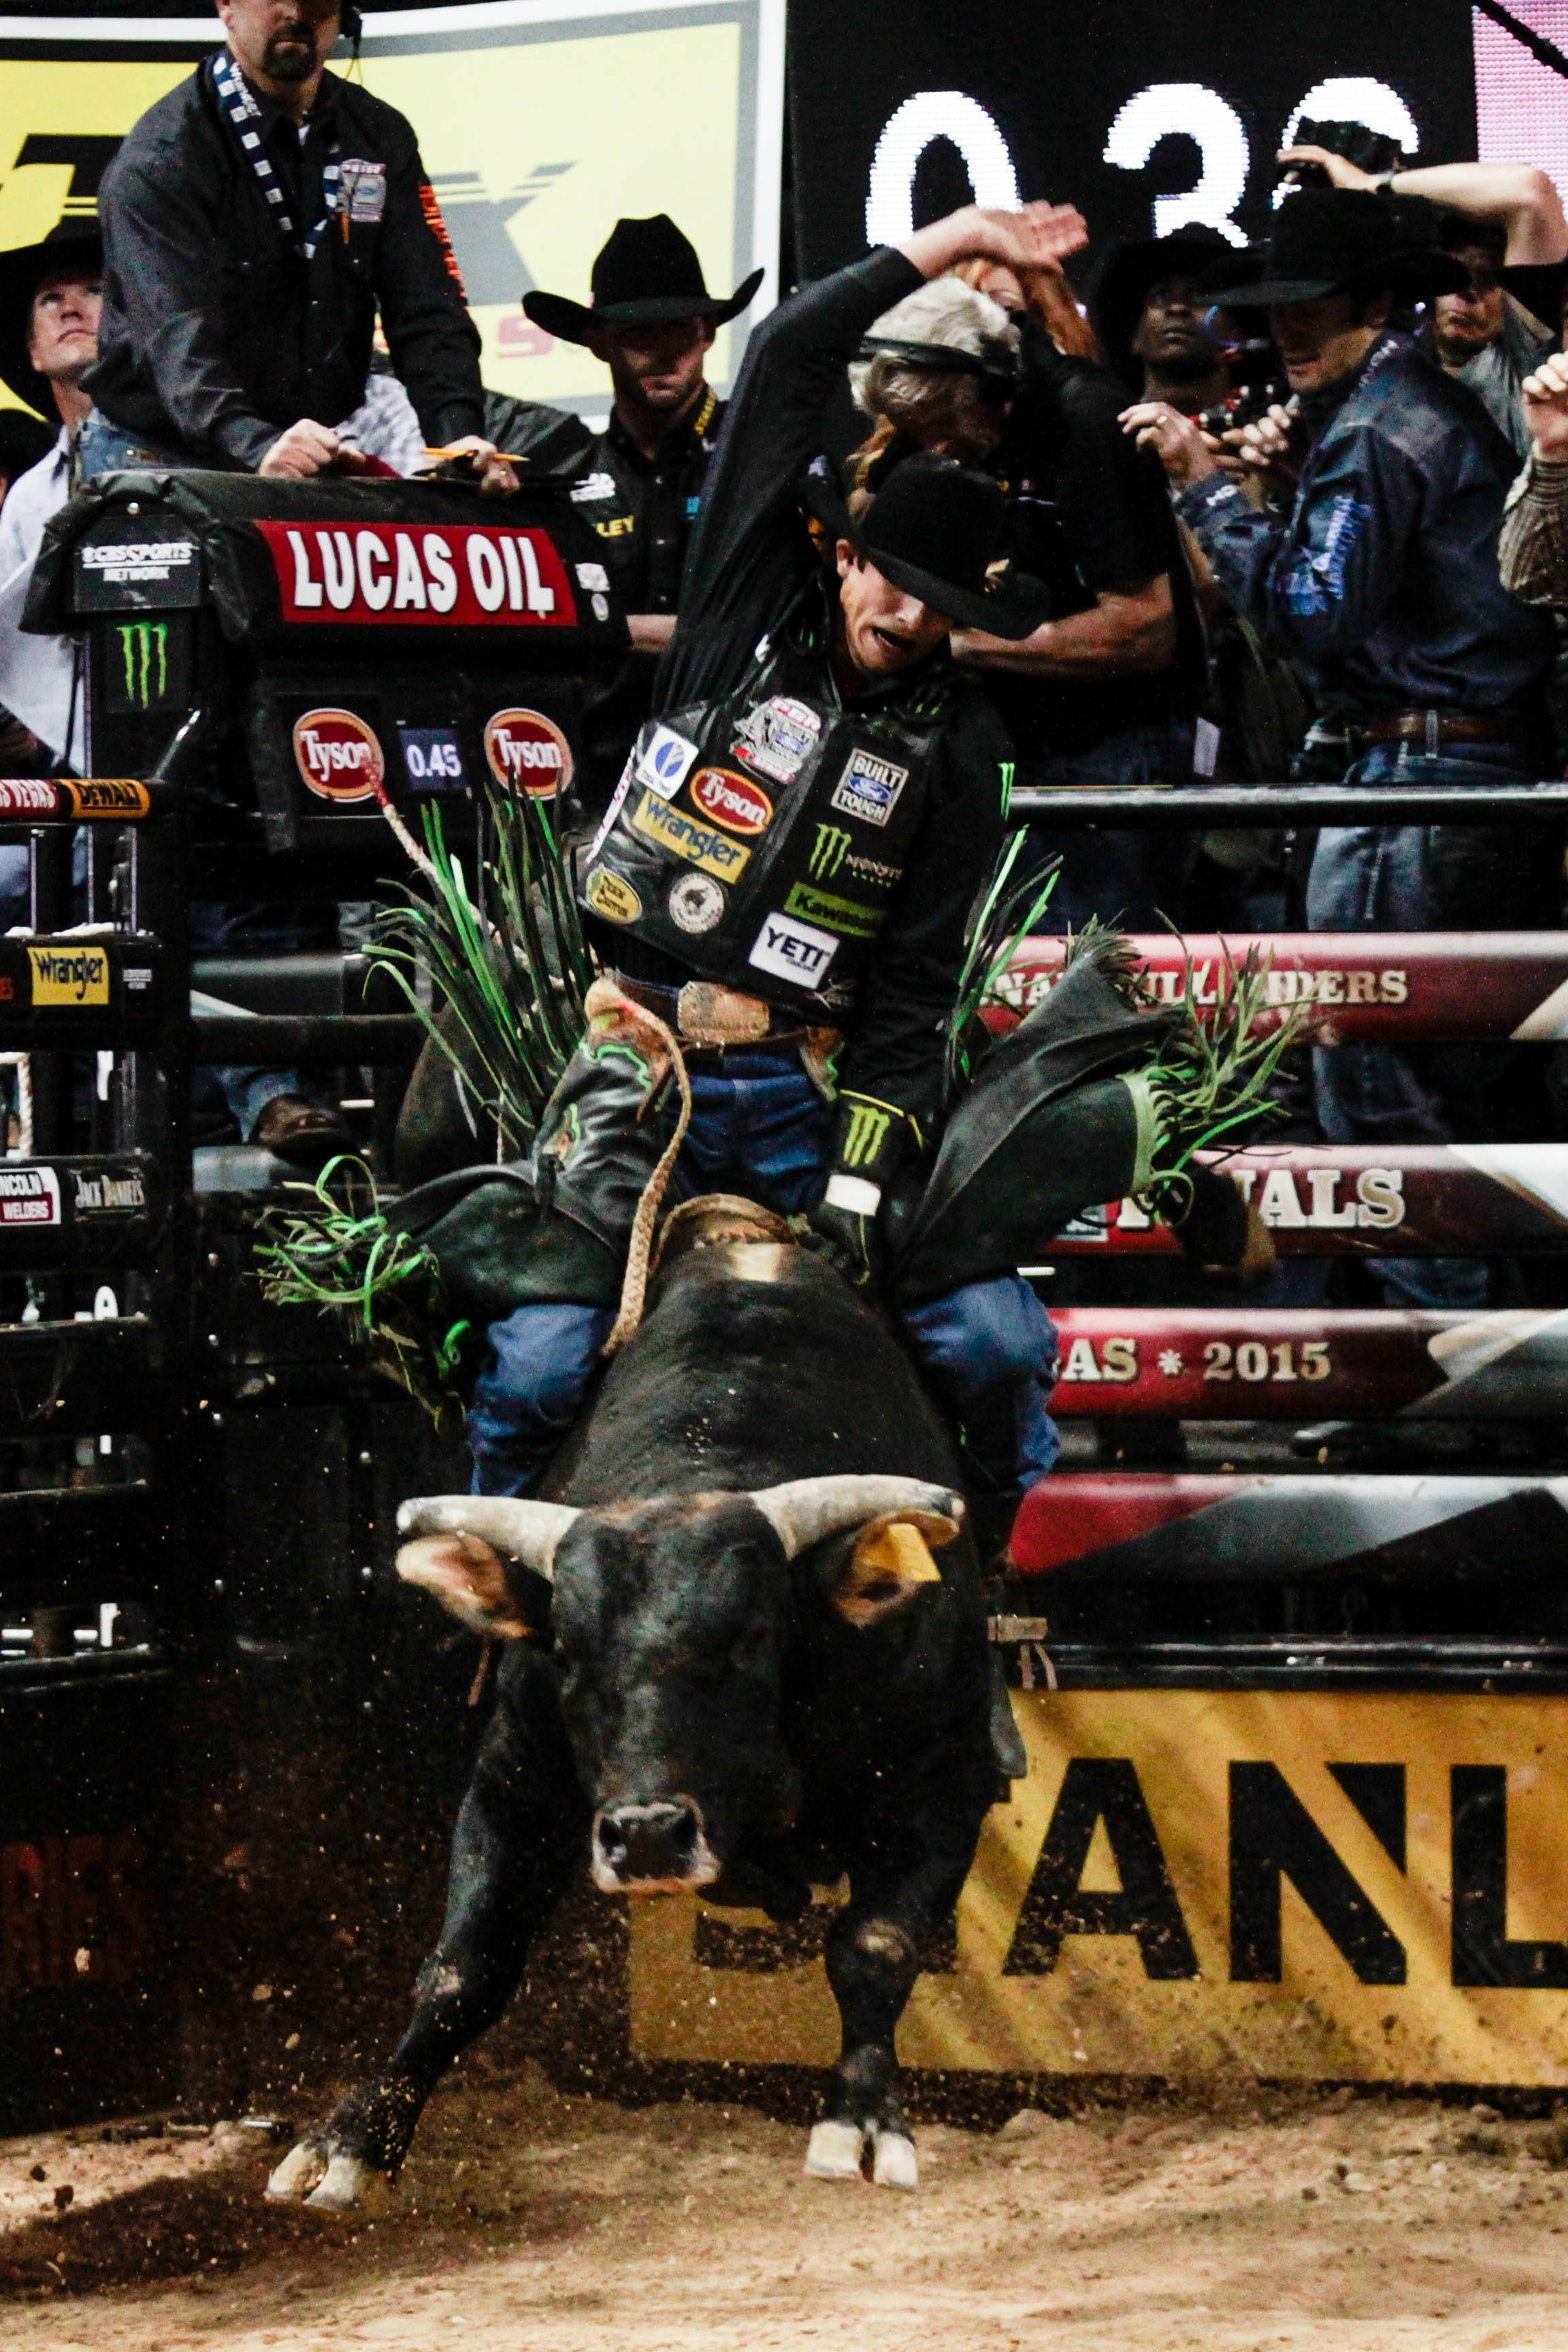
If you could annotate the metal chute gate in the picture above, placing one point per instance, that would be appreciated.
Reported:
(232, 1744)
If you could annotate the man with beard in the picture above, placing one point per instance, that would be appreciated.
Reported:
(652, 321)
(255, 221)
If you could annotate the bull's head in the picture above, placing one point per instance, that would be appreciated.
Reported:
(672, 1621)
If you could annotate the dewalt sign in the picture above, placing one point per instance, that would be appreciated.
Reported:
(539, 129)
(1286, 1883)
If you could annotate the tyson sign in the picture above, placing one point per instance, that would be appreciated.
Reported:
(734, 801)
(528, 753)
(465, 576)
(337, 755)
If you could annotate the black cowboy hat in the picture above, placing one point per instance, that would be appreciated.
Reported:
(934, 528)
(646, 272)
(69, 245)
(1540, 285)
(1335, 241)
(1130, 272)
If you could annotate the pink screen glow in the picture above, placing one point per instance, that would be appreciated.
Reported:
(1522, 106)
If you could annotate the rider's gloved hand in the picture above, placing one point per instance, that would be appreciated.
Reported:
(872, 1139)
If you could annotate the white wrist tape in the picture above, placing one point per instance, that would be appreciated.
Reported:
(855, 1193)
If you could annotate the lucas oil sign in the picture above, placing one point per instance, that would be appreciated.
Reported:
(1292, 1884)
(360, 575)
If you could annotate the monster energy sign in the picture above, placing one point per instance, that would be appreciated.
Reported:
(144, 661)
(827, 852)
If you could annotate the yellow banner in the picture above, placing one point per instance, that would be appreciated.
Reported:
(70, 975)
(1281, 1884)
(539, 129)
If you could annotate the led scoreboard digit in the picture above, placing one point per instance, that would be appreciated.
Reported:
(1147, 117)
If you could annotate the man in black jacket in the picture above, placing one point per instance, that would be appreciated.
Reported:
(255, 220)
(652, 321)
(786, 867)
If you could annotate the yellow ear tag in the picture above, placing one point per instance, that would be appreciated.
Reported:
(898, 1550)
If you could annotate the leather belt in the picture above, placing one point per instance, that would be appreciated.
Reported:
(705, 1016)
(1432, 728)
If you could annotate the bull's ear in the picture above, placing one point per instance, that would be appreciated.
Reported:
(885, 1564)
(468, 1577)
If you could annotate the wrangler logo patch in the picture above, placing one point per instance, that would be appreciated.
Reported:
(683, 837)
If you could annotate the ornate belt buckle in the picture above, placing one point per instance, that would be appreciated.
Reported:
(707, 1014)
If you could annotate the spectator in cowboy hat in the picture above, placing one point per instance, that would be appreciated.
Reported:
(1154, 323)
(50, 295)
(1380, 583)
(652, 321)
(49, 298)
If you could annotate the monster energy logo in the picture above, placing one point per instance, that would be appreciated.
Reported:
(867, 1133)
(144, 654)
(1007, 769)
(828, 853)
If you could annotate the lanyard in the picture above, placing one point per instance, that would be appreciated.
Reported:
(243, 111)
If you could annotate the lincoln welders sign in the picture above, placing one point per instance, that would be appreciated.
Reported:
(1190, 1883)
(540, 124)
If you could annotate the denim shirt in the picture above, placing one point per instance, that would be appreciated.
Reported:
(1383, 584)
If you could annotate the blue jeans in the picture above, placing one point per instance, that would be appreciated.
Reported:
(273, 929)
(107, 448)
(1131, 879)
(1426, 878)
(760, 1128)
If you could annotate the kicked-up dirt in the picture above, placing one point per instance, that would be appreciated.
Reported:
(541, 2222)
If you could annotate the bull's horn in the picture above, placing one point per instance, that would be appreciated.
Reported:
(524, 1531)
(803, 1510)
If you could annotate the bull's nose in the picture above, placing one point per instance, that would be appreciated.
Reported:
(637, 1842)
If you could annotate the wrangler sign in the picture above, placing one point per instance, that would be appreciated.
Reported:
(1291, 1883)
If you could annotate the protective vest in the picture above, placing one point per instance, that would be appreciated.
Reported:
(761, 839)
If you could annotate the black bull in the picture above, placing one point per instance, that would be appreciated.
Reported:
(743, 1673)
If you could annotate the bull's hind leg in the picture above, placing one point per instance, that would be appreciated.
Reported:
(510, 1868)
(874, 1949)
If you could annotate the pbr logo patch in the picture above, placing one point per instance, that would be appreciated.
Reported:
(528, 753)
(794, 952)
(608, 896)
(868, 788)
(778, 737)
(731, 801)
(338, 756)
(696, 903)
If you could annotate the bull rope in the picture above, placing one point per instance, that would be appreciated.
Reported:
(634, 1284)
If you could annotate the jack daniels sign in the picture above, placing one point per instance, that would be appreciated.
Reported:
(1145, 116)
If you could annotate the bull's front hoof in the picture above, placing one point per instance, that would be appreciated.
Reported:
(312, 2176)
(833, 2151)
(302, 2170)
(350, 2185)
(895, 2165)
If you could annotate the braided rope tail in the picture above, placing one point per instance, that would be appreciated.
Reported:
(634, 1287)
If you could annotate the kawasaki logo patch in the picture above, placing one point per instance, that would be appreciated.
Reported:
(845, 915)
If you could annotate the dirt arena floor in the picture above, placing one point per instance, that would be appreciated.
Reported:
(539, 2223)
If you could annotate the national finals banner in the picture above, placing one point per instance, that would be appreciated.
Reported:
(539, 125)
(1293, 1885)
